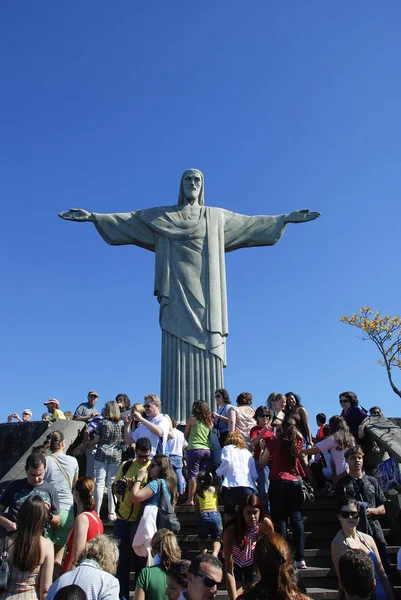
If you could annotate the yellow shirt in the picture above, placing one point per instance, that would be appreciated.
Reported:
(57, 414)
(125, 504)
(209, 502)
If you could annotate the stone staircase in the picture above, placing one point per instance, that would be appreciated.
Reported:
(321, 525)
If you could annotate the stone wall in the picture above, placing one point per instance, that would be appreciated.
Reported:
(15, 440)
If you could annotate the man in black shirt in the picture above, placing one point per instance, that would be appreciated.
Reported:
(365, 488)
(18, 491)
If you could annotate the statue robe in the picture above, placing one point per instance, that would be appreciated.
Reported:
(190, 285)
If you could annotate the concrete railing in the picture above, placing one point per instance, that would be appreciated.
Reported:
(19, 439)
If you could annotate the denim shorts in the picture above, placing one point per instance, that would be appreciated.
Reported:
(210, 524)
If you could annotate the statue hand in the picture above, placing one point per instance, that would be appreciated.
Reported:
(76, 214)
(302, 216)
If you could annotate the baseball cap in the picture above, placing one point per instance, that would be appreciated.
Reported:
(27, 411)
(52, 401)
(92, 393)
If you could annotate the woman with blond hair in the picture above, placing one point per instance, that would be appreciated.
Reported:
(30, 555)
(274, 566)
(87, 524)
(95, 571)
(151, 583)
(237, 472)
(197, 432)
(110, 443)
(161, 479)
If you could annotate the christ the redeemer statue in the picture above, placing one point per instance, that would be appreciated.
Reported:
(190, 241)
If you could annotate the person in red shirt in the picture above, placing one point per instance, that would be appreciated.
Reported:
(320, 422)
(284, 489)
(262, 431)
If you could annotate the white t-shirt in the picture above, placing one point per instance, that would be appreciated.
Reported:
(329, 445)
(55, 476)
(142, 431)
(176, 444)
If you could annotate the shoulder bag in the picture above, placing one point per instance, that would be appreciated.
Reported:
(166, 517)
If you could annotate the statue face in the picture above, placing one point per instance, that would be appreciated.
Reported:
(192, 185)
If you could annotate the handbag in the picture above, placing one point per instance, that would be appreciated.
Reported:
(4, 568)
(166, 517)
(306, 490)
(215, 450)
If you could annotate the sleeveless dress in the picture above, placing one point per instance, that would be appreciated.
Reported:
(22, 585)
(95, 528)
(380, 593)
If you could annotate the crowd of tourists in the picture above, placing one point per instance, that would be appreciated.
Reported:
(256, 462)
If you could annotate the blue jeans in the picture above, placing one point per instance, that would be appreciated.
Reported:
(285, 502)
(176, 461)
(263, 486)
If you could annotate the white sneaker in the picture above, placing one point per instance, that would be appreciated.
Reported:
(300, 564)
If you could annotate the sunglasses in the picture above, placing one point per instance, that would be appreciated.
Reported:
(26, 414)
(345, 402)
(349, 514)
(218, 396)
(147, 405)
(207, 581)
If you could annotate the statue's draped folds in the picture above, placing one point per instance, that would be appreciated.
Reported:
(190, 285)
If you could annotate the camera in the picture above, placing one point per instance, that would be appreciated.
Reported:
(122, 485)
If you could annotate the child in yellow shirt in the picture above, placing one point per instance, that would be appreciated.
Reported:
(206, 502)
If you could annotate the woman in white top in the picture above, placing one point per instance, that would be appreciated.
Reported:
(62, 473)
(340, 439)
(237, 471)
(241, 417)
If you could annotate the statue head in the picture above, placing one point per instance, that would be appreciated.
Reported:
(191, 187)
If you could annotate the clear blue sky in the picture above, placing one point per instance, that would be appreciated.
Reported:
(282, 105)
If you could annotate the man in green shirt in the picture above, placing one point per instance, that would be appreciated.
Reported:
(127, 512)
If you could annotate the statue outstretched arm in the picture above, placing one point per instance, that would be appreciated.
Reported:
(116, 229)
(302, 216)
(76, 214)
(242, 231)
